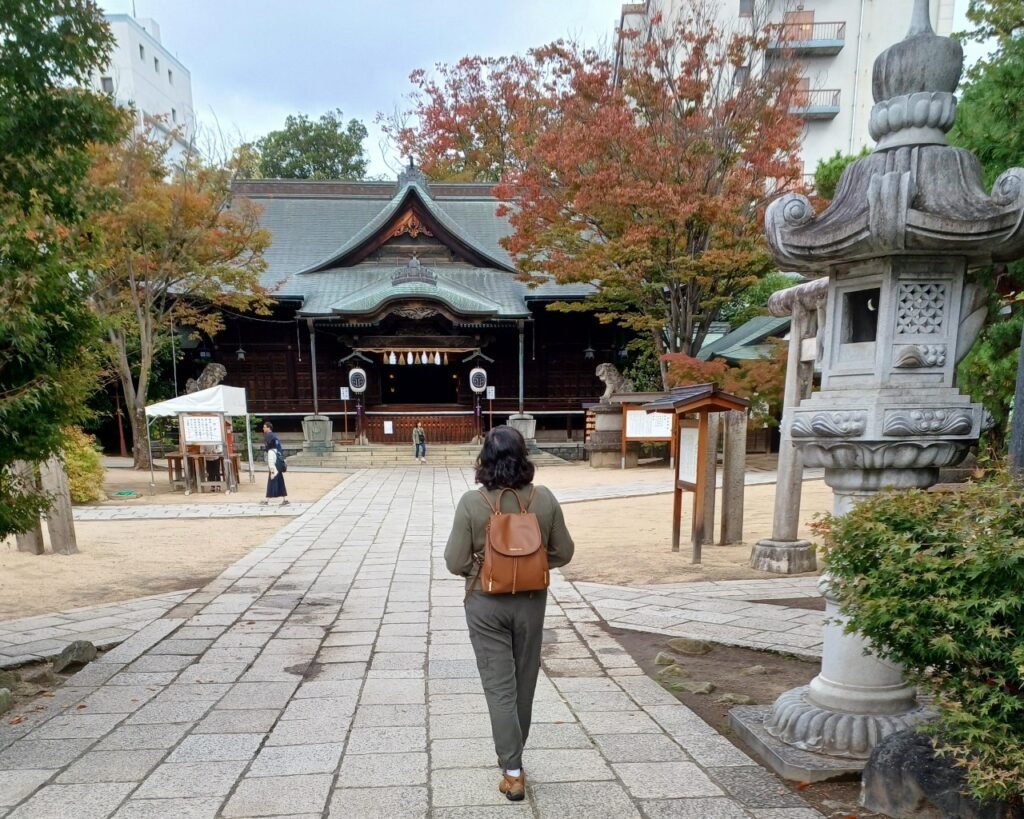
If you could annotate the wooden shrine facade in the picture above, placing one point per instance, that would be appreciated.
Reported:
(411, 284)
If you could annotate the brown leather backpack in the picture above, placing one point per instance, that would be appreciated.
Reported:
(515, 557)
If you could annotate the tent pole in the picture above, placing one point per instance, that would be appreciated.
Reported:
(248, 443)
(149, 447)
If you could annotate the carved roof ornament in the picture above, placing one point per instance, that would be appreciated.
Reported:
(915, 194)
(409, 224)
(412, 175)
(413, 272)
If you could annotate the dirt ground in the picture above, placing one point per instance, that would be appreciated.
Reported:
(122, 559)
(722, 667)
(629, 541)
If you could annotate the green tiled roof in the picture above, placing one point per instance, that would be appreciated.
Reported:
(312, 224)
(742, 343)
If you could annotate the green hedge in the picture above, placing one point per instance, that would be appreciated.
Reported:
(936, 581)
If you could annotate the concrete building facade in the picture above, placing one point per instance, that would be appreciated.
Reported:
(144, 74)
(836, 42)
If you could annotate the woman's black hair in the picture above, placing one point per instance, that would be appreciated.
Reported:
(504, 461)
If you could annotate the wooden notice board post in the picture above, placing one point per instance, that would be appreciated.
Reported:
(691, 474)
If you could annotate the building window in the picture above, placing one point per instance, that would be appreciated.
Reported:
(746, 8)
(174, 115)
(156, 65)
(142, 51)
(107, 83)
(170, 77)
(741, 75)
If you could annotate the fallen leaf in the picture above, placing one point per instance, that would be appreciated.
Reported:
(17, 721)
(803, 785)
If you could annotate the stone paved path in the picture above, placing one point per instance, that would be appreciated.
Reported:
(36, 638)
(329, 673)
(724, 612)
(153, 511)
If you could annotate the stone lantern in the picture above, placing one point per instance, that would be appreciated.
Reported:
(907, 224)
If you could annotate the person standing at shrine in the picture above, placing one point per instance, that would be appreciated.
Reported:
(275, 456)
(419, 439)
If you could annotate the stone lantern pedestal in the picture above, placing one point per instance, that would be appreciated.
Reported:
(897, 243)
(605, 445)
(317, 432)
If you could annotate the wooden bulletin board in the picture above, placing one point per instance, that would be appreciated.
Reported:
(652, 427)
(202, 429)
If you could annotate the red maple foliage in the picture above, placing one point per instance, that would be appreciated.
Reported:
(645, 175)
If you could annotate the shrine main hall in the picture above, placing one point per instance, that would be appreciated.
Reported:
(408, 282)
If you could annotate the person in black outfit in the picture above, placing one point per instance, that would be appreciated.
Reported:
(275, 480)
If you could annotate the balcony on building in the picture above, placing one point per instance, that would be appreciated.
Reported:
(804, 39)
(822, 103)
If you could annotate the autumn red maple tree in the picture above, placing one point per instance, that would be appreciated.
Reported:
(646, 175)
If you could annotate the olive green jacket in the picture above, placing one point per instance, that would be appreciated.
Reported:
(465, 548)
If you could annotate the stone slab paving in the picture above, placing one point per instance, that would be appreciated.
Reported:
(328, 673)
(722, 611)
(30, 639)
(153, 511)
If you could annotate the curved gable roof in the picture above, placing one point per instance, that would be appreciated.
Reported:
(411, 196)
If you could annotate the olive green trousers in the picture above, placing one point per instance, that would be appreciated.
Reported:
(506, 631)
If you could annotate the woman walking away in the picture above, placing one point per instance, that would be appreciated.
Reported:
(419, 439)
(506, 628)
(275, 480)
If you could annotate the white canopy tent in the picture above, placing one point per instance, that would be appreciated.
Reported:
(228, 402)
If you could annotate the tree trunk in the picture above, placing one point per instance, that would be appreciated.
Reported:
(59, 520)
(1017, 425)
(140, 450)
(659, 350)
(31, 541)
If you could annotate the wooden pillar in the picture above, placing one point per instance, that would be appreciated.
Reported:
(312, 358)
(31, 541)
(677, 493)
(697, 532)
(1017, 425)
(709, 467)
(59, 520)
(734, 460)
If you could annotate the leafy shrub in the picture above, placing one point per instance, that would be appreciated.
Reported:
(934, 581)
(85, 469)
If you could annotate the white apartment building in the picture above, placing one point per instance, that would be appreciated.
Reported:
(836, 42)
(144, 74)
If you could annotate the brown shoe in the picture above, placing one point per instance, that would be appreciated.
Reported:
(514, 787)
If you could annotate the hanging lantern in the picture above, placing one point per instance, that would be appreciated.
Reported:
(423, 358)
(384, 358)
(446, 359)
(437, 358)
(410, 358)
(391, 358)
(401, 359)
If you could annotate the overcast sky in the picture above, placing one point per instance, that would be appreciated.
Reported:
(253, 62)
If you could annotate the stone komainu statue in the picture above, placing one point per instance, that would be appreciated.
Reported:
(211, 376)
(614, 381)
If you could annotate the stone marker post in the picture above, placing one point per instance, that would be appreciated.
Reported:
(906, 225)
(734, 467)
(710, 467)
(31, 541)
(784, 552)
(60, 522)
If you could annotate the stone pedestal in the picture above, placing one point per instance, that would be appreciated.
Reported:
(526, 424)
(316, 434)
(605, 445)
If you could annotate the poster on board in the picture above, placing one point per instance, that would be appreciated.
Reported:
(648, 426)
(688, 455)
(389, 427)
(202, 429)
